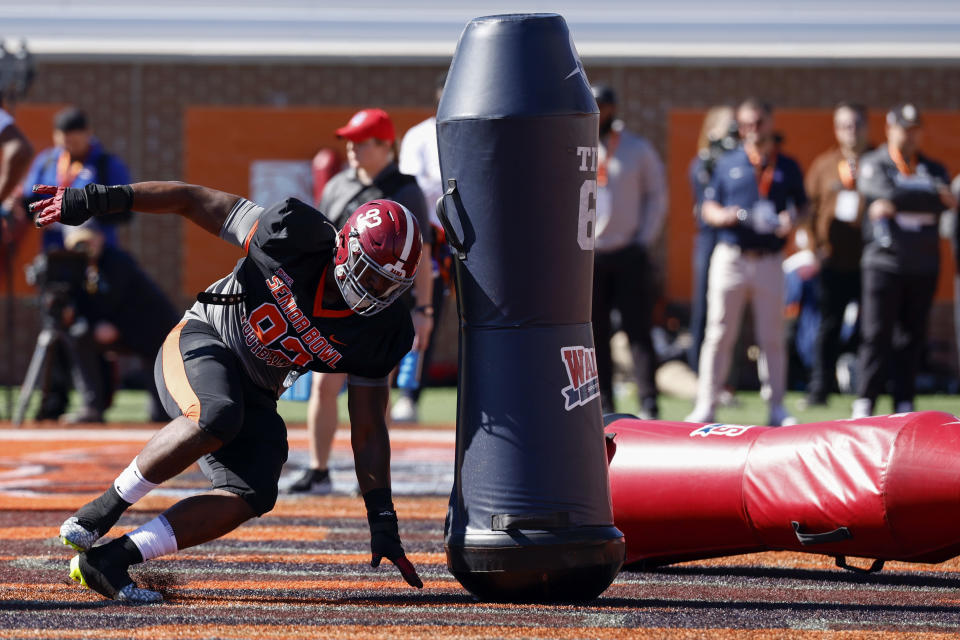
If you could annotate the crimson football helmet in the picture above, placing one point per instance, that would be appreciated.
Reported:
(378, 251)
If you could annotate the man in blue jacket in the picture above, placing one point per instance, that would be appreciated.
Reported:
(76, 160)
(754, 199)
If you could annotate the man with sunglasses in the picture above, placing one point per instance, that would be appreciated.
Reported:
(754, 199)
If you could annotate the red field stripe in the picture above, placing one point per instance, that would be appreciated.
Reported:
(72, 502)
(433, 508)
(274, 533)
(13, 448)
(377, 581)
(254, 533)
(795, 560)
(300, 558)
(27, 533)
(41, 592)
(430, 508)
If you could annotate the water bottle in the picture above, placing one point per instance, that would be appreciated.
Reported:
(767, 221)
(408, 377)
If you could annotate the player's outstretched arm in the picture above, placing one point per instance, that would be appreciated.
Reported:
(206, 207)
(371, 455)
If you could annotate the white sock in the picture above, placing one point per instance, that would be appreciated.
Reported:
(154, 539)
(131, 485)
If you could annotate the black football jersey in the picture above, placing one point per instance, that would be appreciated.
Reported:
(281, 324)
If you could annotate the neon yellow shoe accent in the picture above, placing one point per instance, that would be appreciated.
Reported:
(71, 545)
(75, 574)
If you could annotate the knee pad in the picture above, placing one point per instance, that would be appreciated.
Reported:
(262, 499)
(221, 417)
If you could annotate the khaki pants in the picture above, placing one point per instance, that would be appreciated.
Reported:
(736, 278)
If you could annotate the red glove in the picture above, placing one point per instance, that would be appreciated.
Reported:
(76, 206)
(47, 211)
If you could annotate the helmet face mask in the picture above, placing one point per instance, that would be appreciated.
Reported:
(378, 251)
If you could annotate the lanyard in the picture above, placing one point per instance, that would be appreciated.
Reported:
(898, 160)
(67, 171)
(613, 141)
(848, 172)
(764, 173)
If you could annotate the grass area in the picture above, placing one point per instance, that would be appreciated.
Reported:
(439, 406)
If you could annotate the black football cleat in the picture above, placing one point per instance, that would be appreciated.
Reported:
(104, 570)
(93, 520)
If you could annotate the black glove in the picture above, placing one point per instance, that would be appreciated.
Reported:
(385, 535)
(75, 206)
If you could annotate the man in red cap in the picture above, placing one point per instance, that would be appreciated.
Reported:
(372, 173)
(367, 124)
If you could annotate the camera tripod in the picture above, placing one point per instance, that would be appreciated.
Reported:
(53, 335)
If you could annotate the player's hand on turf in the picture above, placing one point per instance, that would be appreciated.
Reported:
(67, 205)
(385, 543)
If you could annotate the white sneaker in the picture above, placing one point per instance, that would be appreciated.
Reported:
(862, 408)
(701, 415)
(404, 410)
(779, 417)
(726, 398)
(904, 406)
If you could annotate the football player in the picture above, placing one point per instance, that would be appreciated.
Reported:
(305, 296)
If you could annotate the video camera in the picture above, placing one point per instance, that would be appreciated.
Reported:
(16, 72)
(719, 146)
(60, 275)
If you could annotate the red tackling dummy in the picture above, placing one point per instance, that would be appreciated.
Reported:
(885, 487)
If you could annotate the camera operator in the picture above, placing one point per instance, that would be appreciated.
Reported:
(76, 159)
(119, 309)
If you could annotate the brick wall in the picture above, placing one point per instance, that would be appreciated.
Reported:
(137, 111)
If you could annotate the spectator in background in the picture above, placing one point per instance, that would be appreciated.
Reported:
(631, 208)
(718, 135)
(802, 307)
(904, 193)
(372, 174)
(836, 211)
(76, 160)
(120, 310)
(754, 200)
(15, 154)
(955, 189)
(420, 158)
